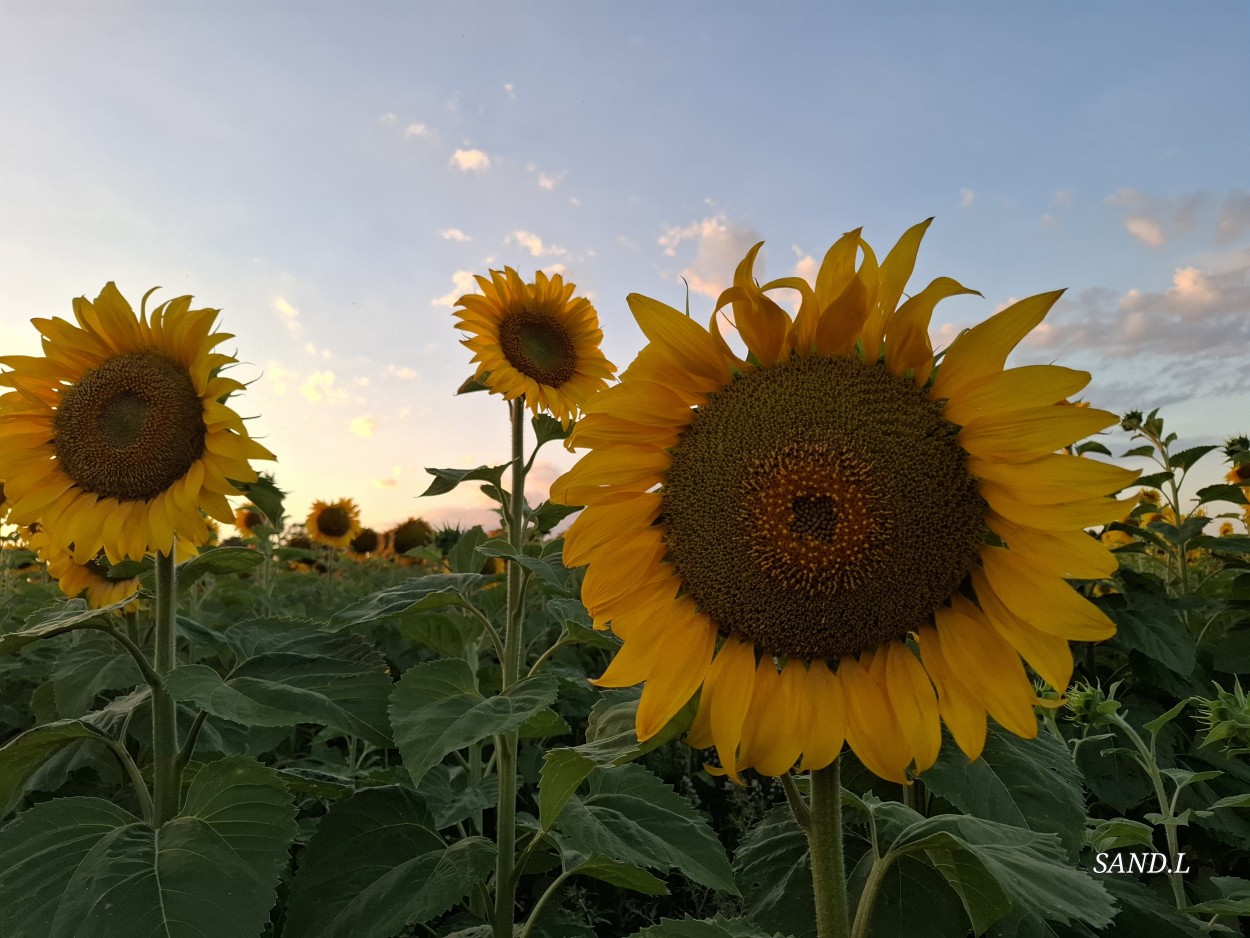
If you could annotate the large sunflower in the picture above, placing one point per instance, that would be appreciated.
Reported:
(118, 435)
(535, 339)
(333, 523)
(833, 537)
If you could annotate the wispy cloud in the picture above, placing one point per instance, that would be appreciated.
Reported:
(402, 371)
(535, 245)
(388, 119)
(416, 130)
(719, 245)
(510, 90)
(454, 234)
(362, 426)
(549, 181)
(463, 283)
(319, 386)
(288, 314)
(470, 161)
(391, 481)
(966, 197)
(1155, 220)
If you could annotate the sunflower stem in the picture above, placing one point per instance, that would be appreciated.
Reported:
(506, 743)
(164, 714)
(824, 838)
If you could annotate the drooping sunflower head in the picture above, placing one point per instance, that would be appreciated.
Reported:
(118, 436)
(333, 523)
(247, 519)
(536, 339)
(365, 544)
(411, 534)
(830, 535)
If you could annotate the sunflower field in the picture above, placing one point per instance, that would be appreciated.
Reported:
(825, 634)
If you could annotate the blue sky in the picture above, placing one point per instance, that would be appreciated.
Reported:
(331, 175)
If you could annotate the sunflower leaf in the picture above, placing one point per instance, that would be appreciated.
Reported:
(1222, 493)
(914, 899)
(1184, 459)
(772, 867)
(210, 871)
(446, 480)
(717, 927)
(1029, 869)
(548, 428)
(22, 756)
(265, 495)
(58, 619)
(219, 560)
(547, 568)
(377, 865)
(436, 709)
(1029, 783)
(632, 816)
(423, 592)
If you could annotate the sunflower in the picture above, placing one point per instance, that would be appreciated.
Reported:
(831, 536)
(535, 339)
(93, 578)
(118, 436)
(247, 519)
(411, 534)
(365, 544)
(333, 523)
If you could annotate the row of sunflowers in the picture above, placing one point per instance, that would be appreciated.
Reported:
(941, 666)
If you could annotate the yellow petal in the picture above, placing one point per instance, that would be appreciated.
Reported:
(680, 340)
(1043, 601)
(984, 348)
(1014, 389)
(907, 344)
(826, 718)
(1025, 435)
(600, 524)
(726, 699)
(914, 704)
(1048, 655)
(1055, 478)
(1072, 555)
(961, 712)
(677, 673)
(988, 666)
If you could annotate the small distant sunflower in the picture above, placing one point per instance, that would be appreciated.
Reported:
(365, 544)
(1226, 528)
(411, 534)
(834, 537)
(535, 339)
(118, 436)
(247, 519)
(333, 523)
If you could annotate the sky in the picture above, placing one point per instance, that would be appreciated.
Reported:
(331, 176)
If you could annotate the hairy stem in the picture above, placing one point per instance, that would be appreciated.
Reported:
(824, 837)
(164, 713)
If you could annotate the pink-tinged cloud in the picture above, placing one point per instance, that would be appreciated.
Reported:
(719, 245)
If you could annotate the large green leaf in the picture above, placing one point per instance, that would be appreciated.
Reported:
(631, 816)
(377, 866)
(423, 592)
(773, 869)
(704, 928)
(95, 664)
(85, 868)
(1149, 623)
(58, 619)
(436, 709)
(294, 675)
(914, 900)
(1029, 783)
(23, 755)
(1029, 868)
(218, 561)
(610, 740)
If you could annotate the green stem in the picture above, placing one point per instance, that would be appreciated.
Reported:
(824, 838)
(188, 744)
(164, 714)
(868, 898)
(506, 744)
(542, 902)
(136, 778)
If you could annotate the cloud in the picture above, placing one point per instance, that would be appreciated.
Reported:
(362, 427)
(548, 181)
(319, 386)
(806, 267)
(401, 371)
(454, 234)
(720, 245)
(289, 315)
(1234, 217)
(1050, 221)
(278, 378)
(1062, 197)
(388, 119)
(534, 244)
(416, 130)
(966, 197)
(1155, 220)
(391, 481)
(1202, 313)
(509, 89)
(464, 283)
(470, 161)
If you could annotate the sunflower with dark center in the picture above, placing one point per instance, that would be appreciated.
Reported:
(834, 538)
(365, 544)
(411, 534)
(118, 437)
(536, 339)
(333, 523)
(247, 519)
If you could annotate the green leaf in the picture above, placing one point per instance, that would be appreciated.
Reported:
(631, 816)
(915, 900)
(1120, 832)
(86, 868)
(451, 798)
(610, 740)
(1029, 868)
(1154, 480)
(423, 592)
(445, 480)
(548, 428)
(1159, 722)
(625, 875)
(772, 867)
(543, 725)
(436, 709)
(1232, 653)
(552, 571)
(1139, 451)
(265, 495)
(703, 928)
(1031, 783)
(1233, 801)
(547, 515)
(377, 866)
(463, 556)
(1184, 459)
(217, 561)
(472, 384)
(58, 619)
(293, 674)
(1150, 624)
(1222, 492)
(21, 756)
(1143, 912)
(95, 663)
